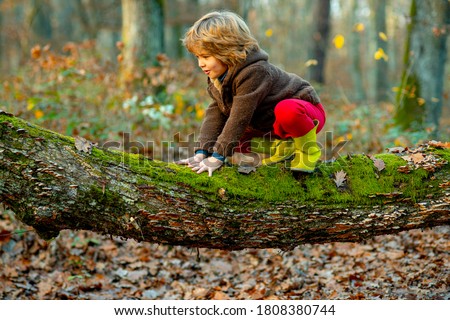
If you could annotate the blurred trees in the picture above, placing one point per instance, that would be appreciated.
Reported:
(382, 84)
(354, 49)
(319, 40)
(142, 36)
(359, 92)
(421, 92)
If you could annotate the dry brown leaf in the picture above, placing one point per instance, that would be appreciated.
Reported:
(397, 150)
(394, 255)
(339, 178)
(445, 185)
(439, 144)
(219, 295)
(379, 164)
(416, 158)
(45, 287)
(83, 145)
(199, 293)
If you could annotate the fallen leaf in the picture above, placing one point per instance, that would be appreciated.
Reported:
(445, 185)
(339, 178)
(218, 295)
(397, 150)
(379, 164)
(83, 145)
(5, 235)
(45, 287)
(415, 157)
(246, 169)
(439, 144)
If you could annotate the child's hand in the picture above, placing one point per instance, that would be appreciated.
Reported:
(210, 164)
(192, 162)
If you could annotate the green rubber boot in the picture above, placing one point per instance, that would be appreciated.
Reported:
(307, 151)
(283, 150)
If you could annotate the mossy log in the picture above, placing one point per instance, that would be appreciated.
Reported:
(51, 185)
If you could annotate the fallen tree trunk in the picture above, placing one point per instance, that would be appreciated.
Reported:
(51, 185)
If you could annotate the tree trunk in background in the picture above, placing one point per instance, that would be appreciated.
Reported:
(179, 16)
(37, 24)
(142, 36)
(52, 182)
(2, 43)
(102, 21)
(359, 93)
(320, 34)
(420, 95)
(64, 20)
(381, 66)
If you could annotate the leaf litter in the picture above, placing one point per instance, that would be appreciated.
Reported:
(85, 265)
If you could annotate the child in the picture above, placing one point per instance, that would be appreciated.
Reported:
(251, 98)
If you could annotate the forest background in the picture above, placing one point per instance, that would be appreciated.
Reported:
(111, 70)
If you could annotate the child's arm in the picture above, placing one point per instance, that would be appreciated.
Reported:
(212, 126)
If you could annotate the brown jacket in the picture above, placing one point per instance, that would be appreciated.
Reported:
(247, 98)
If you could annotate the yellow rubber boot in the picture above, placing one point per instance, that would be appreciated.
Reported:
(307, 151)
(283, 149)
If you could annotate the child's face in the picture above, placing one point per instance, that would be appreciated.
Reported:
(210, 65)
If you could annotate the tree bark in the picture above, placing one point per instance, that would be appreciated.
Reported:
(421, 93)
(381, 66)
(53, 182)
(320, 40)
(355, 55)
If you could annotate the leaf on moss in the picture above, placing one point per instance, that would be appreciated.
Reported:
(415, 158)
(83, 145)
(339, 178)
(379, 164)
(439, 144)
(397, 150)
(246, 169)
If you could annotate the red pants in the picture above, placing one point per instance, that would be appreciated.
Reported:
(293, 118)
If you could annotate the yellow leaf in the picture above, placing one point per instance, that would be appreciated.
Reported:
(380, 54)
(339, 41)
(269, 33)
(38, 114)
(311, 62)
(383, 36)
(395, 89)
(30, 105)
(433, 99)
(421, 101)
(199, 113)
(359, 27)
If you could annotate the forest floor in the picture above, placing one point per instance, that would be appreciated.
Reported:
(85, 265)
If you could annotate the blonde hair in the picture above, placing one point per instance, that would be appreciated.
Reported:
(222, 34)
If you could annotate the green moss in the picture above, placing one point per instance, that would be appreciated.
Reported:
(364, 184)
(443, 153)
(34, 130)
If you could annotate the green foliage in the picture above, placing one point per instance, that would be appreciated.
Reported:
(74, 93)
